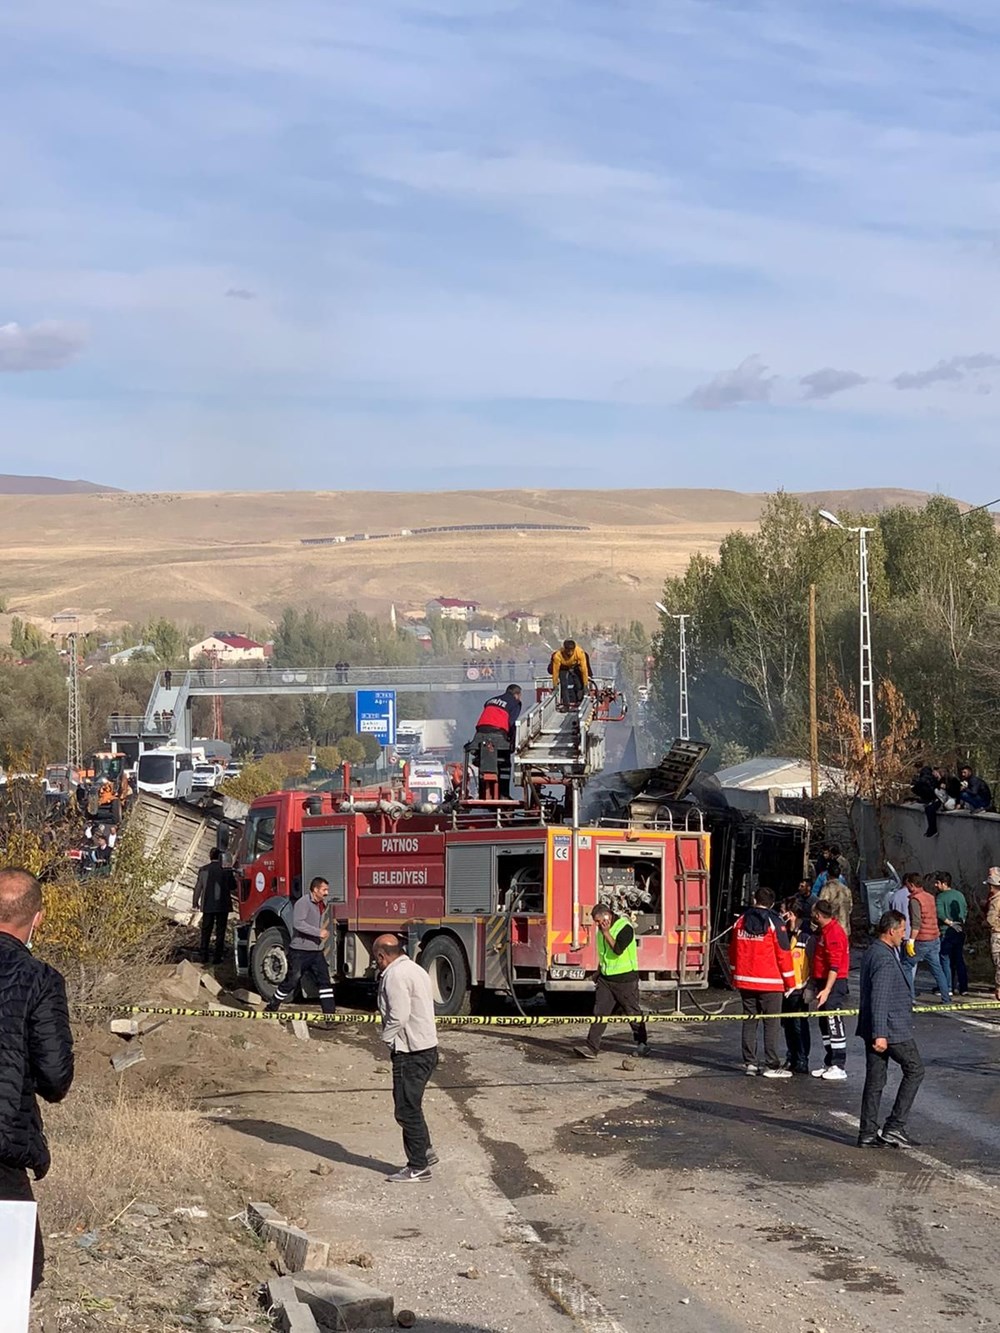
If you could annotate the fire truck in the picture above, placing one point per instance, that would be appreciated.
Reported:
(488, 894)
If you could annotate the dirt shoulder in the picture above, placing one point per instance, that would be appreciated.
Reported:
(152, 1168)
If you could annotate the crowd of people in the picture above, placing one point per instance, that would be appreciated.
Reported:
(791, 961)
(941, 792)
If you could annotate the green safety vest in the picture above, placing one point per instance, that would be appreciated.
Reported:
(613, 964)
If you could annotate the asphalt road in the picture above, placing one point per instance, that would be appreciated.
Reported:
(681, 1194)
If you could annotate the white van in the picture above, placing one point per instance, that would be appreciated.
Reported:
(166, 772)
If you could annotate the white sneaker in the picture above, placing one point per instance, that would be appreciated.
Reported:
(834, 1074)
(751, 1071)
(820, 1072)
(777, 1073)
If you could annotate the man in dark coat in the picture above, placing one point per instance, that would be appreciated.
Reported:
(885, 1025)
(494, 738)
(213, 897)
(36, 1045)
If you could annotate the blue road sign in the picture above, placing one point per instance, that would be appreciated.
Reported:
(375, 715)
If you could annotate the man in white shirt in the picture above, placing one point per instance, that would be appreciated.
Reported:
(406, 1003)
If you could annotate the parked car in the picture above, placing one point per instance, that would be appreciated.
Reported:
(206, 777)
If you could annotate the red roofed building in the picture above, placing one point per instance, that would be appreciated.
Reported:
(229, 648)
(452, 608)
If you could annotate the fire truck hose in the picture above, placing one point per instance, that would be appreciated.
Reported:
(511, 1021)
(514, 903)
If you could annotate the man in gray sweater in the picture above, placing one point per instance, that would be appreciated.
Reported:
(406, 1003)
(885, 1024)
(305, 954)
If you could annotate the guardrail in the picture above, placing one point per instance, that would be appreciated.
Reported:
(210, 679)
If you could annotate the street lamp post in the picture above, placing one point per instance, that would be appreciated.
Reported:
(682, 672)
(866, 674)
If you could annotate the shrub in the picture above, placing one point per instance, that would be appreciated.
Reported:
(104, 931)
(271, 773)
(112, 1148)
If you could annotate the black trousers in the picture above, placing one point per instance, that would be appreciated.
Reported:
(307, 963)
(798, 1038)
(410, 1073)
(500, 756)
(217, 921)
(757, 1004)
(614, 996)
(832, 1030)
(15, 1187)
(906, 1055)
(570, 686)
(953, 954)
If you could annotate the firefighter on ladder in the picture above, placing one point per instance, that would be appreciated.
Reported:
(569, 667)
(494, 738)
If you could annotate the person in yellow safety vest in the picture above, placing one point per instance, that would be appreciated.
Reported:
(617, 980)
(570, 669)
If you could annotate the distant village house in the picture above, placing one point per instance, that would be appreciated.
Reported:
(452, 608)
(525, 622)
(230, 649)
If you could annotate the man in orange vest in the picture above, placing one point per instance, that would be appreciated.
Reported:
(570, 670)
(925, 934)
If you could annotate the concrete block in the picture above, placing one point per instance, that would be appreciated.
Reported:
(300, 1029)
(260, 1213)
(186, 980)
(248, 997)
(211, 985)
(341, 1301)
(136, 1027)
(130, 1056)
(293, 1316)
(297, 1249)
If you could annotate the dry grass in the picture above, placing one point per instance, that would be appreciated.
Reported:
(206, 558)
(112, 1148)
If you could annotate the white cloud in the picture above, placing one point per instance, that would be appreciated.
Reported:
(826, 382)
(45, 346)
(748, 382)
(951, 371)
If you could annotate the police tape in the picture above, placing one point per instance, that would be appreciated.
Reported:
(502, 1021)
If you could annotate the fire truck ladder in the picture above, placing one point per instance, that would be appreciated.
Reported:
(692, 881)
(570, 744)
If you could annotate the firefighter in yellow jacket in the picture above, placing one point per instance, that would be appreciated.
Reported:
(570, 669)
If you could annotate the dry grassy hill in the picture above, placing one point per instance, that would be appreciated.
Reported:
(236, 559)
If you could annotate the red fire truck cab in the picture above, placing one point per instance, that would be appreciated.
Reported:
(486, 900)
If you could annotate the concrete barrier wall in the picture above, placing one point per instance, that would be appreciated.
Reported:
(966, 845)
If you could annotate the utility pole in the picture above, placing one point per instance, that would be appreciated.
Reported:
(74, 745)
(866, 673)
(813, 710)
(685, 729)
(682, 672)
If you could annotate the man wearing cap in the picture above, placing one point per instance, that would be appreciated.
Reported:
(992, 882)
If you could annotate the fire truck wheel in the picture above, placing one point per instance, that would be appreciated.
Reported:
(269, 961)
(444, 959)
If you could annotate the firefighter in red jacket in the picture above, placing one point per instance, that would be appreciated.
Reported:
(496, 727)
(762, 973)
(830, 966)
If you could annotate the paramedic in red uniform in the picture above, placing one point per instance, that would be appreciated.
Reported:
(497, 723)
(762, 973)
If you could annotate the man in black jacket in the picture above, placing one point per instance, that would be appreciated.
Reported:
(213, 897)
(36, 1045)
(885, 1024)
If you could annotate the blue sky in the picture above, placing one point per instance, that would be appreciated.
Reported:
(432, 243)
